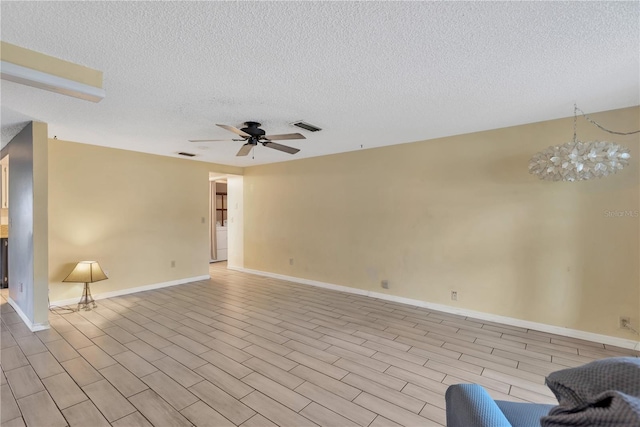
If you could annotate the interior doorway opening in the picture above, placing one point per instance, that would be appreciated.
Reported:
(226, 219)
(218, 243)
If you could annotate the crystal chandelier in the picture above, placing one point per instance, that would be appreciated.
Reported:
(577, 160)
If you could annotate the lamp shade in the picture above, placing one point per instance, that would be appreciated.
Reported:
(86, 272)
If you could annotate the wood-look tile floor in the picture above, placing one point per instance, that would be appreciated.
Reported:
(249, 351)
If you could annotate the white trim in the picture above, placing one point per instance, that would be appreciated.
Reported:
(34, 327)
(543, 327)
(34, 78)
(127, 291)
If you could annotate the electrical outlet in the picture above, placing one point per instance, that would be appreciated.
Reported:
(21, 287)
(385, 284)
(290, 261)
(624, 322)
(454, 295)
(173, 264)
(202, 220)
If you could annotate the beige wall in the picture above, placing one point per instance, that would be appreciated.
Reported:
(459, 213)
(132, 212)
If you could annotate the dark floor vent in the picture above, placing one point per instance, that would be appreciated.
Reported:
(182, 153)
(306, 126)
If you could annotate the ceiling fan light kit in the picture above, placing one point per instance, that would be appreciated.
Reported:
(252, 134)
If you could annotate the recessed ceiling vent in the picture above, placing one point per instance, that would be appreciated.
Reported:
(306, 126)
(182, 153)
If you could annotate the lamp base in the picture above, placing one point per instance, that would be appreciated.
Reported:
(87, 300)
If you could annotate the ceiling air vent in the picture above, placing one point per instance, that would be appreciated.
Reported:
(182, 153)
(306, 126)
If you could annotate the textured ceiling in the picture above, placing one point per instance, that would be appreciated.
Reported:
(368, 73)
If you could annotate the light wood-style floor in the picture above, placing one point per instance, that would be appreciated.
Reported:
(253, 351)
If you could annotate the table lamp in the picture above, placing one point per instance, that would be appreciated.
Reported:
(86, 272)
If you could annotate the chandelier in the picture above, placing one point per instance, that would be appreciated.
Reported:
(578, 160)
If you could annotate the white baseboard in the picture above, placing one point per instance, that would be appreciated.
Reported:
(543, 327)
(34, 327)
(127, 291)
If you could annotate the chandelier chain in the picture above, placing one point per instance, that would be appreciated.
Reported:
(590, 120)
(575, 120)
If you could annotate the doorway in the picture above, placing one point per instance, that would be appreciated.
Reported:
(226, 230)
(218, 244)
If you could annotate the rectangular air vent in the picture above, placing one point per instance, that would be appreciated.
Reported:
(306, 126)
(182, 153)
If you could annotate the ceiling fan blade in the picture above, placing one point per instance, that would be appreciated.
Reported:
(281, 147)
(245, 149)
(284, 136)
(234, 130)
(213, 140)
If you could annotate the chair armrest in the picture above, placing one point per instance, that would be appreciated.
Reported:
(469, 405)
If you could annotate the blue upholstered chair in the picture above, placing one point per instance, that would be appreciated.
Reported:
(604, 392)
(469, 405)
